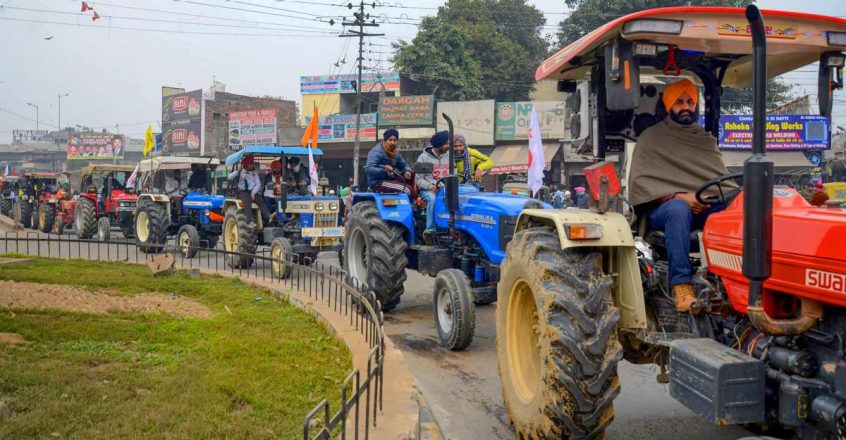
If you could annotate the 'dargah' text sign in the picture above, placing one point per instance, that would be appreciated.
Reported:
(406, 111)
(784, 132)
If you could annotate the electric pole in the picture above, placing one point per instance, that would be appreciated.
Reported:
(360, 23)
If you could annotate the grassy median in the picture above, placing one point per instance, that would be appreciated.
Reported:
(245, 365)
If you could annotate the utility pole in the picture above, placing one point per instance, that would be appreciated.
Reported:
(60, 109)
(359, 22)
(37, 118)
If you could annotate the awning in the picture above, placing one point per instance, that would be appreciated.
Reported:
(785, 162)
(515, 158)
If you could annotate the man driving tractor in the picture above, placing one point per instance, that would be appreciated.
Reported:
(383, 162)
(672, 159)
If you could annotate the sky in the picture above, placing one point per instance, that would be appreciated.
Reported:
(113, 69)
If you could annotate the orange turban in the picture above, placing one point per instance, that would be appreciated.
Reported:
(673, 91)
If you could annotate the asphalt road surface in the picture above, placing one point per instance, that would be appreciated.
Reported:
(462, 389)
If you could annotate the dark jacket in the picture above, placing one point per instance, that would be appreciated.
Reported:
(583, 202)
(375, 167)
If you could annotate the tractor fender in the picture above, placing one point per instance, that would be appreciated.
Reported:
(155, 198)
(617, 239)
(398, 210)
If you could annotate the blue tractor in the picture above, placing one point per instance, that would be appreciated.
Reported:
(301, 225)
(384, 236)
(194, 215)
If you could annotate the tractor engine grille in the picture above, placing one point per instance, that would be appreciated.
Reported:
(326, 220)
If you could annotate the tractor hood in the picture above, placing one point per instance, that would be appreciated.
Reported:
(496, 203)
(204, 201)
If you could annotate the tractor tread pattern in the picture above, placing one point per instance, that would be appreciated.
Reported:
(157, 224)
(247, 240)
(89, 218)
(49, 217)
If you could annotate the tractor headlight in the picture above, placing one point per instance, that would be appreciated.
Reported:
(318, 206)
(654, 26)
(333, 206)
(836, 38)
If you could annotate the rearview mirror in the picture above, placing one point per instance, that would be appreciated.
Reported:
(830, 78)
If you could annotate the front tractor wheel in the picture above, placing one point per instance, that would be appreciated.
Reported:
(239, 239)
(189, 241)
(104, 229)
(455, 314)
(86, 218)
(557, 347)
(46, 217)
(374, 253)
(283, 254)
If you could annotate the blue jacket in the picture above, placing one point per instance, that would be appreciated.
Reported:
(375, 167)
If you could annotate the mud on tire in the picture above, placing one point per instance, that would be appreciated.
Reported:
(557, 347)
(374, 252)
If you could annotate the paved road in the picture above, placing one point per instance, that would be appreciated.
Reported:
(463, 389)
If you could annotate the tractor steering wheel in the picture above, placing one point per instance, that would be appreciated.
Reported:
(441, 181)
(721, 198)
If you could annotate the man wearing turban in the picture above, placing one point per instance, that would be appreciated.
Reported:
(672, 159)
(387, 171)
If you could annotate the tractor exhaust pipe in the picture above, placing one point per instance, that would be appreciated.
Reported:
(758, 201)
(451, 181)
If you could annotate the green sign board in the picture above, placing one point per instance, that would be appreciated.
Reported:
(406, 111)
(512, 119)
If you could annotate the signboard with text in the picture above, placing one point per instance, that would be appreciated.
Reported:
(512, 120)
(406, 111)
(371, 82)
(94, 146)
(182, 123)
(27, 136)
(784, 132)
(252, 127)
(341, 128)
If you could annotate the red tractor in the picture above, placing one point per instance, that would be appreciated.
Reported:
(56, 212)
(35, 189)
(104, 201)
(764, 341)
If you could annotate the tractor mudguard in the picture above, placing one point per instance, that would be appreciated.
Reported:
(394, 208)
(617, 236)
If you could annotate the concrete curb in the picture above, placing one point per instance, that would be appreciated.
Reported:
(429, 428)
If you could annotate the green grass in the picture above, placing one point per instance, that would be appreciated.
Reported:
(251, 373)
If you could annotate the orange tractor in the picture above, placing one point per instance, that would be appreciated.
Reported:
(764, 341)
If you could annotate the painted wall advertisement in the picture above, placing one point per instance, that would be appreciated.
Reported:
(252, 127)
(94, 146)
(182, 123)
(512, 120)
(473, 119)
(341, 128)
(784, 132)
(371, 82)
(406, 111)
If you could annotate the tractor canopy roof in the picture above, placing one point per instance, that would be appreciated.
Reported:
(43, 175)
(794, 40)
(270, 151)
(93, 169)
(175, 163)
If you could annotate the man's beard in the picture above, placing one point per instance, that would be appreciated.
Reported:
(684, 117)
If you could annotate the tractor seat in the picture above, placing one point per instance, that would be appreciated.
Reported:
(655, 239)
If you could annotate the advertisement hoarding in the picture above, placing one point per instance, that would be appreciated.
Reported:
(473, 119)
(27, 136)
(182, 123)
(341, 128)
(512, 120)
(406, 111)
(371, 82)
(94, 146)
(252, 127)
(784, 132)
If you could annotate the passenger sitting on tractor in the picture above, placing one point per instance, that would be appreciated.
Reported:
(426, 183)
(383, 164)
(174, 189)
(63, 193)
(671, 160)
(479, 163)
(198, 182)
(819, 197)
(298, 176)
(249, 189)
(273, 181)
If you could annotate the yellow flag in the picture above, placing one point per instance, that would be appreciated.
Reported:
(149, 140)
(311, 131)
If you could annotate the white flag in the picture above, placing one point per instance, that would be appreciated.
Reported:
(130, 181)
(312, 173)
(536, 160)
(6, 173)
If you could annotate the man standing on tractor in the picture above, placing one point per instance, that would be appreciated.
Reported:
(671, 160)
(199, 178)
(249, 189)
(427, 182)
(479, 163)
(383, 164)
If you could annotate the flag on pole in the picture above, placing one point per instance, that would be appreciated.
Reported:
(536, 160)
(149, 140)
(6, 173)
(311, 131)
(130, 181)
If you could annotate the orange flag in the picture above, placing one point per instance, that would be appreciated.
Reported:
(85, 6)
(311, 131)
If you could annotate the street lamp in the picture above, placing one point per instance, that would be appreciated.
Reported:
(60, 109)
(36, 114)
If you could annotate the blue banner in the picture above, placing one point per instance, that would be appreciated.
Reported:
(784, 132)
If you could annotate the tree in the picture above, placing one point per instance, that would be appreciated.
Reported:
(476, 49)
(591, 14)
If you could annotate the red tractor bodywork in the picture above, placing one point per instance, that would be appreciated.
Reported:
(808, 259)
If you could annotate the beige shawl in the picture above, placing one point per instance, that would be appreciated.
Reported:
(671, 158)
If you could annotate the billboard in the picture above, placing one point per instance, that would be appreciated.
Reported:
(27, 136)
(512, 120)
(784, 132)
(93, 146)
(406, 111)
(252, 127)
(341, 128)
(371, 82)
(473, 119)
(182, 123)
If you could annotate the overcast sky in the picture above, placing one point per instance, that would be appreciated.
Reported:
(114, 72)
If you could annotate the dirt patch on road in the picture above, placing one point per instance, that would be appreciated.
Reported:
(51, 296)
(11, 338)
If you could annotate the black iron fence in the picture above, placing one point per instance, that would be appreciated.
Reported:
(361, 394)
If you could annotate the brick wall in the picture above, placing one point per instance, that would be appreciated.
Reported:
(217, 118)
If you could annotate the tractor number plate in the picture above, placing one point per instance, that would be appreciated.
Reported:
(322, 232)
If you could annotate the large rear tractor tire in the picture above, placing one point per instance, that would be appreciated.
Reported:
(188, 240)
(85, 221)
(557, 347)
(6, 207)
(46, 217)
(282, 253)
(453, 309)
(374, 253)
(238, 237)
(150, 227)
(26, 214)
